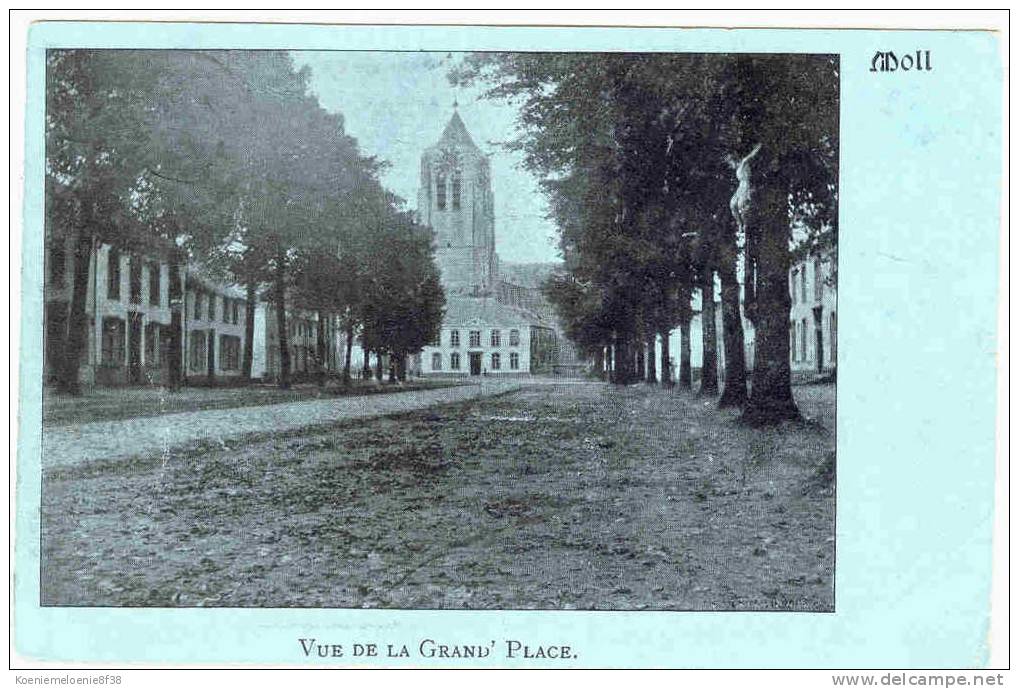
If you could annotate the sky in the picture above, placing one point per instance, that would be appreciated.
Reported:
(397, 103)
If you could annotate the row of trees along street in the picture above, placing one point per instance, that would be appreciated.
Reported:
(225, 156)
(665, 173)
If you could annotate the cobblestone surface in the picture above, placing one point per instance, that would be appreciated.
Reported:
(145, 436)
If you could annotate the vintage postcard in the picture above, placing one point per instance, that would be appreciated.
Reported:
(508, 347)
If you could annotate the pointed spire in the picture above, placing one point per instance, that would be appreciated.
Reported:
(456, 131)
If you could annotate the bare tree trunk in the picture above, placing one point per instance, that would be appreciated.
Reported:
(320, 345)
(666, 366)
(734, 389)
(68, 371)
(771, 395)
(401, 368)
(249, 329)
(281, 319)
(349, 352)
(709, 338)
(622, 360)
(652, 374)
(599, 362)
(175, 365)
(378, 366)
(685, 374)
(641, 369)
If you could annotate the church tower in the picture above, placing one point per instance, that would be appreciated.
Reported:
(455, 199)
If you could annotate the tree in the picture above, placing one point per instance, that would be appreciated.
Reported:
(788, 107)
(318, 287)
(579, 307)
(120, 144)
(222, 155)
(402, 305)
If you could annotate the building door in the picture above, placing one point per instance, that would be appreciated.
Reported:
(819, 338)
(134, 347)
(475, 363)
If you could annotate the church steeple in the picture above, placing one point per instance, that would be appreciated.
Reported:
(456, 133)
(455, 199)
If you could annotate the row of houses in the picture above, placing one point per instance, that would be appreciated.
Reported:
(129, 319)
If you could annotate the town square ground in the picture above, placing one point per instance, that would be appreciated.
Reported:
(555, 495)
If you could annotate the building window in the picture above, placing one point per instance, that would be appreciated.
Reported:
(514, 338)
(230, 352)
(803, 340)
(457, 184)
(440, 191)
(475, 340)
(792, 285)
(454, 338)
(135, 274)
(113, 342)
(818, 282)
(454, 361)
(58, 264)
(436, 361)
(496, 361)
(803, 283)
(113, 275)
(226, 310)
(198, 306)
(196, 350)
(436, 341)
(155, 296)
(152, 341)
(212, 307)
(496, 338)
(514, 361)
(792, 340)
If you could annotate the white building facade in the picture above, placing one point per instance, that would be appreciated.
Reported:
(813, 316)
(481, 337)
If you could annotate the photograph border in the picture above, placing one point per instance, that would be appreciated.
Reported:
(976, 45)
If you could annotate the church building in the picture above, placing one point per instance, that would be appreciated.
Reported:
(481, 333)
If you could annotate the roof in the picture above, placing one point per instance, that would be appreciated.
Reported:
(456, 133)
(488, 311)
(197, 274)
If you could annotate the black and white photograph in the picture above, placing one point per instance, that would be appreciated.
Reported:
(424, 330)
